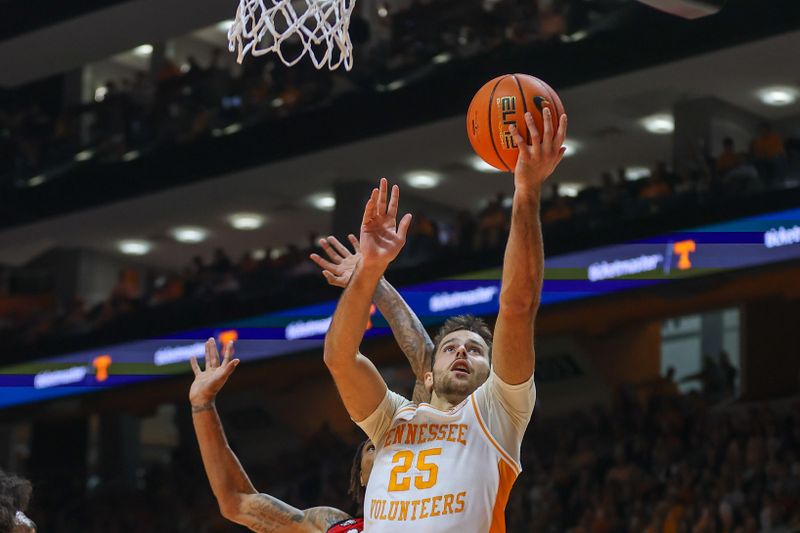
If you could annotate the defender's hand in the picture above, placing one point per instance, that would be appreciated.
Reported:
(207, 383)
(540, 158)
(338, 269)
(382, 237)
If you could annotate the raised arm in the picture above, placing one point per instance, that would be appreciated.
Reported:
(410, 335)
(237, 498)
(408, 331)
(360, 384)
(523, 264)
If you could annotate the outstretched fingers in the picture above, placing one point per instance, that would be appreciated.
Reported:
(561, 134)
(519, 140)
(332, 254)
(227, 353)
(322, 263)
(212, 354)
(339, 247)
(394, 201)
(547, 135)
(354, 241)
(536, 138)
(380, 208)
(402, 228)
(370, 209)
(194, 365)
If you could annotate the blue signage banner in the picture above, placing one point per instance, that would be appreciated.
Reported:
(743, 243)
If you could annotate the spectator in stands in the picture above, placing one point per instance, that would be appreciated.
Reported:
(465, 231)
(559, 211)
(492, 224)
(769, 153)
(728, 159)
(658, 185)
(729, 373)
(221, 263)
(710, 377)
(610, 194)
(665, 385)
(732, 171)
(423, 237)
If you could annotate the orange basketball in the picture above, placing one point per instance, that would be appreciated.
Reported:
(504, 101)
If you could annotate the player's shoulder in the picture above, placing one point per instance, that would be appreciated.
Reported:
(351, 525)
(397, 402)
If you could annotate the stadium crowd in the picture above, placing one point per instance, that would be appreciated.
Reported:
(186, 98)
(672, 463)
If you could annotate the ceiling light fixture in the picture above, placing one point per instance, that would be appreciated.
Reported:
(442, 58)
(246, 221)
(423, 179)
(130, 156)
(323, 201)
(396, 85)
(37, 180)
(84, 155)
(134, 247)
(189, 234)
(660, 123)
(143, 50)
(571, 146)
(225, 25)
(236, 127)
(570, 189)
(778, 95)
(636, 173)
(482, 166)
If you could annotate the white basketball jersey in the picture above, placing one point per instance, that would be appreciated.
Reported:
(442, 471)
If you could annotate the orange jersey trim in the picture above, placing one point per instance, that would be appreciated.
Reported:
(450, 411)
(507, 478)
(503, 453)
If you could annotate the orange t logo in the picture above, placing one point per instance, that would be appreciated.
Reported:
(372, 311)
(101, 364)
(682, 249)
(228, 336)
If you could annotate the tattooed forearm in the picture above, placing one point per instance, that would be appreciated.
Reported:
(324, 517)
(264, 514)
(406, 327)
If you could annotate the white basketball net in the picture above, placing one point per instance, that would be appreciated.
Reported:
(321, 27)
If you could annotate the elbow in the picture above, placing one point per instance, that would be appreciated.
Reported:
(328, 357)
(329, 354)
(229, 508)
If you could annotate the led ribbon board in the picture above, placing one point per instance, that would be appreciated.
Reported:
(738, 244)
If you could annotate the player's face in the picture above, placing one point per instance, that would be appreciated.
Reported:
(367, 460)
(461, 365)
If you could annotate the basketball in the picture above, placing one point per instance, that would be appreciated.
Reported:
(504, 101)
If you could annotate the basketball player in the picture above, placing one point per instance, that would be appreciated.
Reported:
(449, 466)
(238, 499)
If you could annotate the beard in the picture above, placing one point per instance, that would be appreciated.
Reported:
(448, 386)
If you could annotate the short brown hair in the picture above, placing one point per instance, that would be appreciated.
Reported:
(462, 322)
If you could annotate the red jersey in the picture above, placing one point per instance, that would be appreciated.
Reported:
(352, 525)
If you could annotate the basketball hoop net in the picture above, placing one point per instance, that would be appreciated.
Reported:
(321, 27)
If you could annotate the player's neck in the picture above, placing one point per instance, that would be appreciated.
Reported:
(445, 402)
